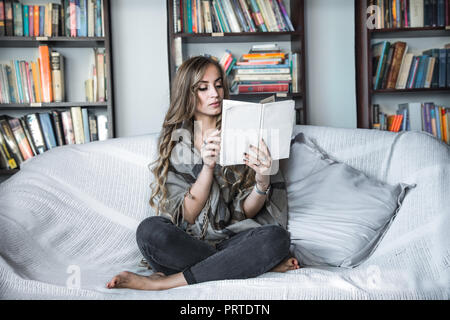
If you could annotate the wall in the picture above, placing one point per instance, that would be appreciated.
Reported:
(330, 63)
(141, 79)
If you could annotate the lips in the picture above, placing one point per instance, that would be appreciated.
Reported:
(215, 104)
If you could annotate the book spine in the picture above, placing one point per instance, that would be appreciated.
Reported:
(35, 128)
(240, 15)
(93, 127)
(85, 116)
(28, 135)
(448, 68)
(442, 67)
(11, 143)
(102, 127)
(21, 139)
(77, 122)
(47, 130)
(55, 20)
(83, 18)
(257, 16)
(247, 15)
(11, 86)
(36, 20)
(68, 127)
(9, 18)
(31, 20)
(26, 16)
(41, 20)
(18, 19)
(91, 18)
(56, 76)
(57, 125)
(73, 18)
(10, 162)
(46, 78)
(263, 88)
(423, 64)
(2, 18)
(222, 14)
(413, 72)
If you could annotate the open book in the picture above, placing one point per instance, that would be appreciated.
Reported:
(245, 123)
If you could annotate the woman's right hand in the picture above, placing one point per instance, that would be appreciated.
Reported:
(210, 149)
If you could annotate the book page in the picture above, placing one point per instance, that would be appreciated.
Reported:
(278, 120)
(240, 128)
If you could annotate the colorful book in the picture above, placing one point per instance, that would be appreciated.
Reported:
(46, 78)
(47, 130)
(35, 128)
(21, 139)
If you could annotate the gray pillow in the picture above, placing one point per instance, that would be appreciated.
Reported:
(337, 214)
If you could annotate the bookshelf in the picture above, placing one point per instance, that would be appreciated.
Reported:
(79, 52)
(240, 43)
(420, 38)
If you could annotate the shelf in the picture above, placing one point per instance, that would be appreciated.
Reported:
(415, 90)
(409, 32)
(28, 106)
(237, 37)
(5, 172)
(69, 42)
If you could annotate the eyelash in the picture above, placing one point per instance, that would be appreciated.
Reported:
(204, 89)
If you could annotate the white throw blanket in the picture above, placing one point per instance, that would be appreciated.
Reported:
(68, 221)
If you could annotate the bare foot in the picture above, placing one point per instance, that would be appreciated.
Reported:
(286, 265)
(132, 280)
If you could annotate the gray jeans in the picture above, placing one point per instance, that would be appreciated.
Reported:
(169, 249)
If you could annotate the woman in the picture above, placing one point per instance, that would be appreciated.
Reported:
(211, 222)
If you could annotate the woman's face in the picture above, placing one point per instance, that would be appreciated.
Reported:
(210, 93)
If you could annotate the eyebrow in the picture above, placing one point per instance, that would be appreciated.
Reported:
(203, 81)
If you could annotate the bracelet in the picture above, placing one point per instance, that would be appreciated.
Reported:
(263, 193)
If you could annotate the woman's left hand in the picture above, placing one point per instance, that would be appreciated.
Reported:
(261, 162)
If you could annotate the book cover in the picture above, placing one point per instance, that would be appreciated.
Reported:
(57, 125)
(102, 127)
(11, 143)
(85, 116)
(77, 122)
(66, 119)
(245, 123)
(47, 130)
(46, 78)
(35, 128)
(21, 139)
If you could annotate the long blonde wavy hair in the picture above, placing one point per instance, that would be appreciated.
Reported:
(183, 102)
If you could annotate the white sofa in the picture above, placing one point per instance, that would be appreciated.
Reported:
(68, 220)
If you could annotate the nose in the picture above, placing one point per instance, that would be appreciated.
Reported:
(213, 92)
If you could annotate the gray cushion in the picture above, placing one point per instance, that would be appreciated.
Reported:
(337, 214)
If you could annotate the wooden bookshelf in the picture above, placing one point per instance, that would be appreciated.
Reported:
(67, 42)
(296, 39)
(363, 60)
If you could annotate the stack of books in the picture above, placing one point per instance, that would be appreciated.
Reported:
(43, 81)
(33, 82)
(410, 13)
(205, 16)
(395, 68)
(417, 116)
(71, 18)
(227, 62)
(265, 69)
(33, 134)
